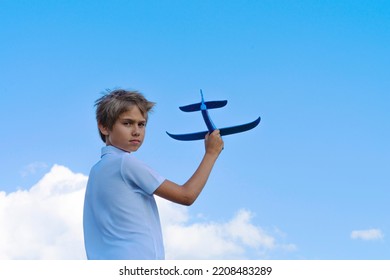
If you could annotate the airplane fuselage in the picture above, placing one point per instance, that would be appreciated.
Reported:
(209, 123)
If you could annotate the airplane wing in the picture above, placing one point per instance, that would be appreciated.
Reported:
(239, 128)
(224, 131)
(189, 137)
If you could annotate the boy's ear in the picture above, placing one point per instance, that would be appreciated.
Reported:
(104, 130)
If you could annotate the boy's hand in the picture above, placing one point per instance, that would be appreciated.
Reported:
(214, 143)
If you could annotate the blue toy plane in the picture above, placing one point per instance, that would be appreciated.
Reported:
(203, 107)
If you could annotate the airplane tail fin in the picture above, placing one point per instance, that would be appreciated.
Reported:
(209, 105)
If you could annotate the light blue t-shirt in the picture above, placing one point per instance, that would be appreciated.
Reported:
(121, 219)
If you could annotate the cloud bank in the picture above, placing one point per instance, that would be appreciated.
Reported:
(237, 238)
(45, 222)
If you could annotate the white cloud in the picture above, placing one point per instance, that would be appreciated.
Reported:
(369, 234)
(45, 222)
(33, 168)
(237, 238)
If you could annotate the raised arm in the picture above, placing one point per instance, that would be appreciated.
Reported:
(187, 193)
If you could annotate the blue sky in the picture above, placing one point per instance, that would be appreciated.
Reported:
(314, 173)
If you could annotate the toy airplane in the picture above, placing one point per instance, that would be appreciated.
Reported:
(203, 107)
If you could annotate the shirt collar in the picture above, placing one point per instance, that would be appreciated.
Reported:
(112, 150)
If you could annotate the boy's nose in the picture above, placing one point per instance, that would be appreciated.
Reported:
(136, 131)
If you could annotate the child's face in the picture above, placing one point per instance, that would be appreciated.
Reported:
(128, 132)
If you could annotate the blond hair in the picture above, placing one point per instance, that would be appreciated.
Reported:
(113, 103)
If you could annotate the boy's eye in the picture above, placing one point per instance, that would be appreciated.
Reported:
(127, 123)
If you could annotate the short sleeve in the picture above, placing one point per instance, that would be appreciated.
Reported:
(139, 175)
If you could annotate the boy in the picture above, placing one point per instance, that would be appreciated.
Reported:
(121, 219)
